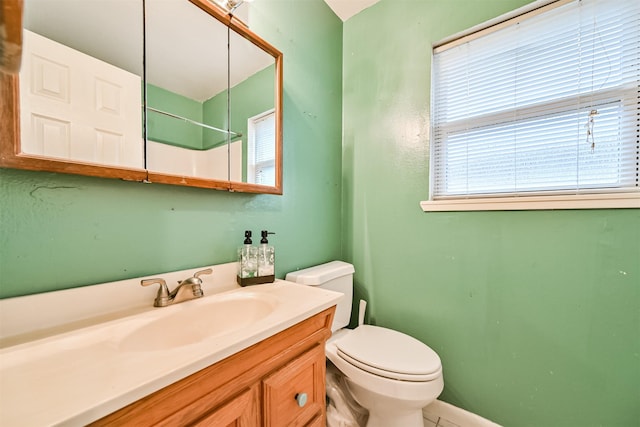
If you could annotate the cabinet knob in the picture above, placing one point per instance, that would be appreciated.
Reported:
(301, 398)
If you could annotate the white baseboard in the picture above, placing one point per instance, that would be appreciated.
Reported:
(443, 414)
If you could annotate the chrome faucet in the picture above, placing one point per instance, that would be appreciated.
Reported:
(187, 289)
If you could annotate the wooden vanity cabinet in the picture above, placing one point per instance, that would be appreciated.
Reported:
(278, 382)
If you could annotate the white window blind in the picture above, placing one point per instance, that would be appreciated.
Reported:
(262, 154)
(545, 105)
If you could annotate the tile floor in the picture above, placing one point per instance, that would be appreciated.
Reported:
(435, 421)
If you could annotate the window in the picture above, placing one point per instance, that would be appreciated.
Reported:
(261, 158)
(539, 111)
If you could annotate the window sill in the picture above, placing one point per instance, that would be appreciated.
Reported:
(585, 201)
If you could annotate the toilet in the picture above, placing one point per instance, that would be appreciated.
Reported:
(391, 374)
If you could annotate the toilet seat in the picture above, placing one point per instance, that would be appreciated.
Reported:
(390, 354)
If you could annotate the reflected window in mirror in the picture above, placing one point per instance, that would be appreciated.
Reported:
(261, 159)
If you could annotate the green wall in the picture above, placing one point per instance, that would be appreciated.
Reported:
(535, 314)
(59, 231)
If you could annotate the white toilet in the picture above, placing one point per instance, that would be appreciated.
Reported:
(389, 373)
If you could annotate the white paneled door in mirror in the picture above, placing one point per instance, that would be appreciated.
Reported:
(80, 95)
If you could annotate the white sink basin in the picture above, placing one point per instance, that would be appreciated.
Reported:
(191, 322)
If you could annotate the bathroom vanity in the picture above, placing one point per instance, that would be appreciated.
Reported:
(103, 355)
(279, 381)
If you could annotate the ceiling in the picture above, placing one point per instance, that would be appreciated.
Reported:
(345, 9)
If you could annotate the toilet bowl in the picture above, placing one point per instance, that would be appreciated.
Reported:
(391, 374)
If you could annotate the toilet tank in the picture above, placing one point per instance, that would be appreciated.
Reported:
(335, 276)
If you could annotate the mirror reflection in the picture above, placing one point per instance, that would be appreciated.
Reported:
(80, 81)
(187, 78)
(252, 110)
(210, 109)
(169, 91)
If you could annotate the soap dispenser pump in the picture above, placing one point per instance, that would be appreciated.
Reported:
(266, 258)
(247, 260)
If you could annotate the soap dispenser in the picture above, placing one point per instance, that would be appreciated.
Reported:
(247, 261)
(266, 258)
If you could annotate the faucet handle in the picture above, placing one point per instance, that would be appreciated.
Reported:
(203, 272)
(196, 281)
(162, 298)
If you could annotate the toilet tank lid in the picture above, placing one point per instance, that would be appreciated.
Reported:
(320, 274)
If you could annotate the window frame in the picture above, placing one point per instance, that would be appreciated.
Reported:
(613, 198)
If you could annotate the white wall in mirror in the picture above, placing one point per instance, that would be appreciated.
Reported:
(105, 29)
(208, 164)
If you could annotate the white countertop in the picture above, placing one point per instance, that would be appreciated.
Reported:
(80, 375)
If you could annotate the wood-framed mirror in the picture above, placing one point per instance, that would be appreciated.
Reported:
(176, 96)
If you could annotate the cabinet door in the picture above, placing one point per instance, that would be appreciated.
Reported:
(241, 411)
(294, 395)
